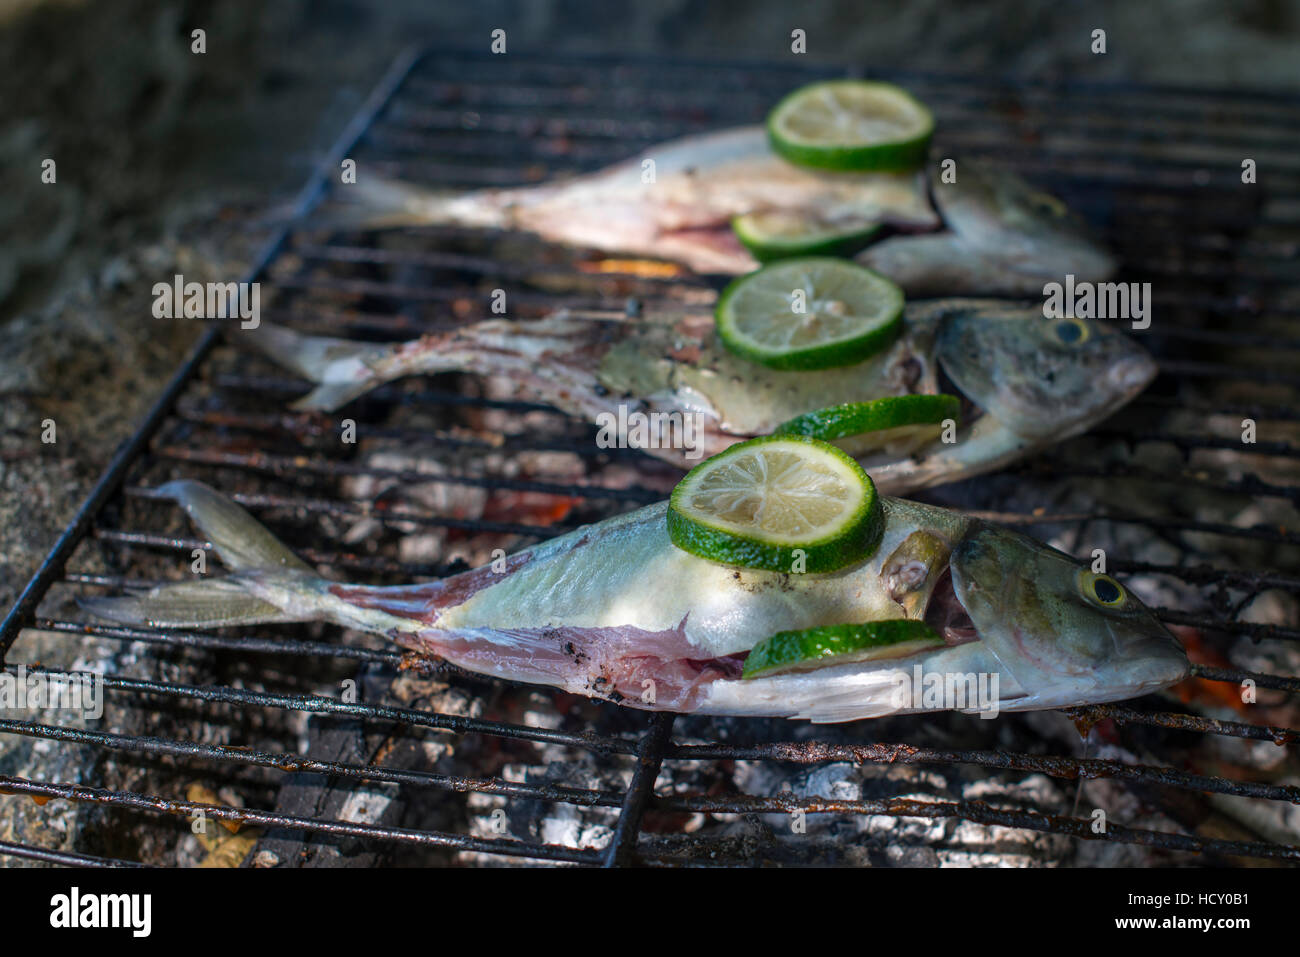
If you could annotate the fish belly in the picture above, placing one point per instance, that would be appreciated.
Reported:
(607, 608)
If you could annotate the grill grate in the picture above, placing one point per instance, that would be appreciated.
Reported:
(1156, 169)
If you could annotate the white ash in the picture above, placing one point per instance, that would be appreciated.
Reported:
(1275, 821)
(566, 825)
(422, 544)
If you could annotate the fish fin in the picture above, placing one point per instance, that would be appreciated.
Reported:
(872, 696)
(240, 540)
(327, 398)
(197, 604)
(849, 711)
(269, 584)
(828, 696)
(375, 202)
(342, 369)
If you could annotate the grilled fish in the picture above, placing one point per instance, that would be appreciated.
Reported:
(1004, 238)
(1029, 381)
(682, 211)
(615, 611)
(1002, 234)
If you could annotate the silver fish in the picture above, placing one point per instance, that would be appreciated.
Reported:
(615, 611)
(1029, 382)
(682, 212)
(1003, 237)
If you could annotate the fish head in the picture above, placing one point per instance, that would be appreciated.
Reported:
(1041, 377)
(998, 213)
(1066, 634)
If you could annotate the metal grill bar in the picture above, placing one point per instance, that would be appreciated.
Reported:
(1208, 268)
(1183, 722)
(1280, 536)
(650, 755)
(287, 465)
(1249, 485)
(486, 92)
(462, 118)
(61, 858)
(1233, 676)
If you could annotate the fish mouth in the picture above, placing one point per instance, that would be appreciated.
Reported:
(944, 384)
(1133, 373)
(1154, 663)
(947, 615)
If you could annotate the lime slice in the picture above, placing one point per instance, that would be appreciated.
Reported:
(851, 125)
(780, 234)
(780, 503)
(838, 644)
(809, 313)
(897, 422)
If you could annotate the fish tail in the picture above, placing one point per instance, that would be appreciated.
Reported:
(341, 369)
(375, 202)
(344, 370)
(268, 582)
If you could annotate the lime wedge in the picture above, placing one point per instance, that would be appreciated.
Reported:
(780, 503)
(809, 313)
(781, 234)
(838, 644)
(898, 422)
(851, 125)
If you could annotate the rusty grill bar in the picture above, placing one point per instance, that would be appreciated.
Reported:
(1155, 168)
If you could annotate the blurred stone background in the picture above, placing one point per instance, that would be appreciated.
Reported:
(166, 159)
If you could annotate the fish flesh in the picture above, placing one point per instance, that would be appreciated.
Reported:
(615, 611)
(1002, 236)
(1028, 381)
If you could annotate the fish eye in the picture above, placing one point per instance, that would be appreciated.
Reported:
(1102, 589)
(1072, 332)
